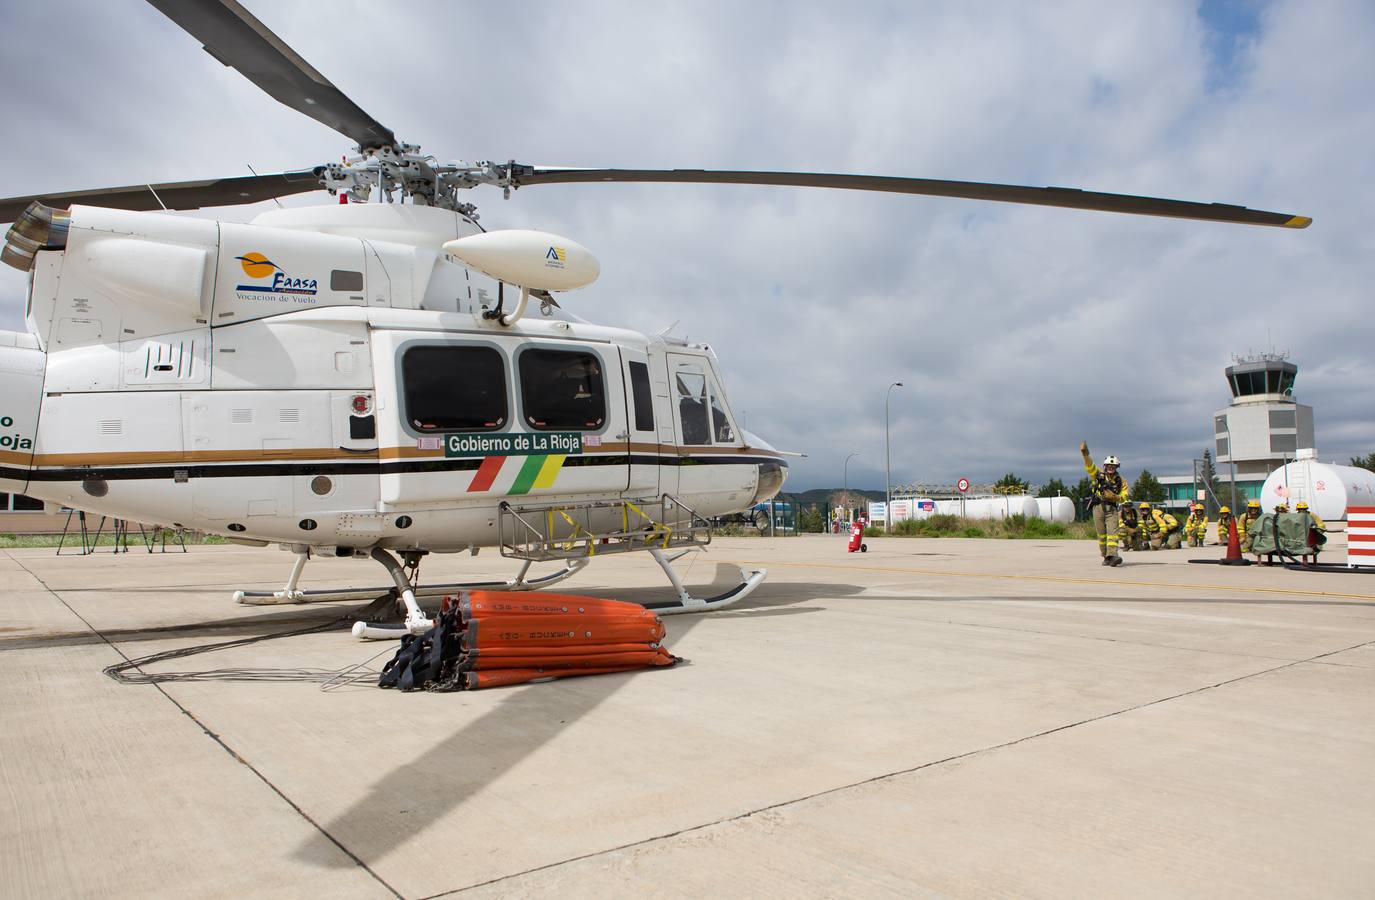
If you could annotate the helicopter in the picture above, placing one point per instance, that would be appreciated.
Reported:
(383, 376)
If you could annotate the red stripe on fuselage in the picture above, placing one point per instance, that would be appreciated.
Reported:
(486, 474)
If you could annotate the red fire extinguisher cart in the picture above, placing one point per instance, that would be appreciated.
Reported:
(857, 537)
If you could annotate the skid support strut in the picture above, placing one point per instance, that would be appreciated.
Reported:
(289, 594)
(416, 621)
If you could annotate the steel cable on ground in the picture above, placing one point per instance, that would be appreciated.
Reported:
(131, 670)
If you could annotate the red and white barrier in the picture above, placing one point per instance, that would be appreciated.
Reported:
(1360, 535)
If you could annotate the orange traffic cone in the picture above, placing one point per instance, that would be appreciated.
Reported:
(1234, 557)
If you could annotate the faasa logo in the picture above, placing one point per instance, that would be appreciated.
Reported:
(555, 258)
(282, 287)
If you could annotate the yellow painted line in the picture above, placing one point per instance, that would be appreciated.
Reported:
(550, 470)
(1063, 580)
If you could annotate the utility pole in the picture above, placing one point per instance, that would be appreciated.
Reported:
(1231, 460)
(887, 465)
(847, 484)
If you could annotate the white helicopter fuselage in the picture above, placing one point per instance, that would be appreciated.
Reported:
(326, 377)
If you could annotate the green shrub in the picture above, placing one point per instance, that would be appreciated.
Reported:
(941, 524)
(1016, 526)
(1042, 528)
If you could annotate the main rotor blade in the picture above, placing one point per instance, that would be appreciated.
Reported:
(1072, 198)
(233, 36)
(176, 194)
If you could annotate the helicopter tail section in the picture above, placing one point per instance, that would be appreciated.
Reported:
(21, 390)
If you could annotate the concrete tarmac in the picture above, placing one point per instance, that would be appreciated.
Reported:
(934, 717)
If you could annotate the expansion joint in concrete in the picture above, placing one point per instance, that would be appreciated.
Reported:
(234, 754)
(888, 776)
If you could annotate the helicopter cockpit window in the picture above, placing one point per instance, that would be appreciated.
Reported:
(454, 388)
(700, 409)
(692, 404)
(561, 390)
(720, 422)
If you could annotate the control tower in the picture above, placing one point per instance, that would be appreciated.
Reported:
(1263, 426)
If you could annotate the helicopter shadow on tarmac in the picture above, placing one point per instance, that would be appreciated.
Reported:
(261, 626)
(445, 775)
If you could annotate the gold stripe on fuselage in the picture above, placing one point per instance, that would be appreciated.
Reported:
(315, 454)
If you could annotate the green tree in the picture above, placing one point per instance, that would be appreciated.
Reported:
(1080, 494)
(1053, 488)
(1219, 492)
(1364, 462)
(1011, 484)
(811, 521)
(1148, 488)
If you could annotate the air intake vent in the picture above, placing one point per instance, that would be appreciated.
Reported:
(241, 416)
(110, 426)
(289, 416)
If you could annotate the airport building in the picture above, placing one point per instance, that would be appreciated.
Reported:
(1259, 431)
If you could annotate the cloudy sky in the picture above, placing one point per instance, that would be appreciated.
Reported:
(1017, 331)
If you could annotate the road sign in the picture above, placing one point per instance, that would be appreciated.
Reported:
(963, 485)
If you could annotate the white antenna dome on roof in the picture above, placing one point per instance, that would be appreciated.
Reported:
(532, 259)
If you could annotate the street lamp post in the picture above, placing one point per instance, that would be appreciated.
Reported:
(887, 465)
(847, 482)
(1231, 461)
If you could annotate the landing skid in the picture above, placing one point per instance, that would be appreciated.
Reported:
(290, 594)
(417, 621)
(686, 603)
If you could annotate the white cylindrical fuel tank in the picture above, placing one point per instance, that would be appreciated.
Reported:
(1328, 488)
(1055, 509)
(991, 507)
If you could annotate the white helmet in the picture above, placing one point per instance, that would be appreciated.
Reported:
(1111, 461)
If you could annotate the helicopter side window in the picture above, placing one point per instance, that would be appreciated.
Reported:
(644, 398)
(344, 280)
(454, 388)
(562, 390)
(692, 405)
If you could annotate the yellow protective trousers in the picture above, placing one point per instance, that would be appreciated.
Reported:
(1105, 521)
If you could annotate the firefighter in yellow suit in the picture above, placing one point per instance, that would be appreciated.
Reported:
(1168, 532)
(1246, 525)
(1302, 506)
(1317, 529)
(1127, 528)
(1224, 521)
(1196, 526)
(1150, 528)
(1109, 492)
